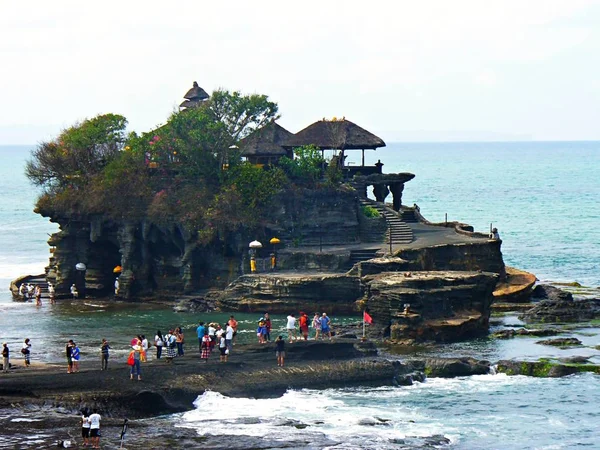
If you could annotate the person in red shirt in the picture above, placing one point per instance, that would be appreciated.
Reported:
(303, 325)
(233, 324)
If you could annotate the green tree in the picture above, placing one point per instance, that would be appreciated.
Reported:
(307, 166)
(78, 153)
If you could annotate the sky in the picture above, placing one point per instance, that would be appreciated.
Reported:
(406, 70)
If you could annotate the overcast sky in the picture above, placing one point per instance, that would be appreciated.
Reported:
(406, 70)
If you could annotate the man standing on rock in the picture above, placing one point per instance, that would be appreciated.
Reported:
(229, 333)
(95, 429)
(325, 326)
(291, 327)
(233, 324)
(200, 332)
(5, 357)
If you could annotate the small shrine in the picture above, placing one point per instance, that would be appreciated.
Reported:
(194, 97)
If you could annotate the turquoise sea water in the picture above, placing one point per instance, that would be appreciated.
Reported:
(543, 198)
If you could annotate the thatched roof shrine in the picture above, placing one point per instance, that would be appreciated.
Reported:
(195, 96)
(335, 134)
(266, 141)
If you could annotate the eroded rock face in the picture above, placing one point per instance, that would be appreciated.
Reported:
(444, 306)
(563, 310)
(285, 293)
(548, 292)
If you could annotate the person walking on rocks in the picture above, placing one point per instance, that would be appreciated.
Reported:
(316, 323)
(26, 350)
(200, 333)
(136, 369)
(69, 354)
(291, 327)
(280, 350)
(104, 351)
(158, 343)
(179, 340)
(206, 347)
(234, 325)
(5, 357)
(85, 427)
(303, 325)
(171, 346)
(76, 355)
(229, 334)
(223, 348)
(325, 325)
(268, 326)
(95, 429)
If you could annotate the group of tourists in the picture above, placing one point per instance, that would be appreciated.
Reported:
(25, 351)
(90, 428)
(213, 334)
(29, 291)
(320, 323)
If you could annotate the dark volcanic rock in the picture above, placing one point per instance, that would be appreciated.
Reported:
(560, 342)
(506, 334)
(562, 310)
(548, 292)
(543, 368)
(449, 367)
(575, 360)
(444, 306)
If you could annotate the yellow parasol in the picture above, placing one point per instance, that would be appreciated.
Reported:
(117, 269)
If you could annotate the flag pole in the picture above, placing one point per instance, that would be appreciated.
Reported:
(364, 324)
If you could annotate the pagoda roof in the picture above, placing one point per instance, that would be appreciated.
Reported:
(266, 141)
(336, 134)
(196, 93)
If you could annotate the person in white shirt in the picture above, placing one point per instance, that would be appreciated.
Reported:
(145, 345)
(229, 337)
(85, 428)
(95, 429)
(291, 327)
(74, 292)
(158, 343)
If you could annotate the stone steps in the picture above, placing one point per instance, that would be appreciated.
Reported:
(398, 230)
(362, 255)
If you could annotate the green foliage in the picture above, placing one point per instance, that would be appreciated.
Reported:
(77, 154)
(369, 211)
(307, 166)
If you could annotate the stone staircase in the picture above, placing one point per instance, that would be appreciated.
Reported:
(407, 215)
(357, 256)
(38, 280)
(401, 233)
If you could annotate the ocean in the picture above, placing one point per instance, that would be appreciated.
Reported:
(542, 197)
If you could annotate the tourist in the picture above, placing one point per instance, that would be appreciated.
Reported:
(116, 286)
(158, 343)
(206, 347)
(316, 323)
(136, 368)
(268, 326)
(145, 346)
(74, 292)
(94, 420)
(23, 291)
(69, 353)
(291, 327)
(5, 357)
(30, 290)
(280, 350)
(212, 331)
(229, 334)
(223, 348)
(261, 331)
(179, 341)
(76, 355)
(325, 325)
(303, 322)
(170, 342)
(234, 325)
(200, 333)
(85, 427)
(26, 350)
(494, 234)
(104, 352)
(52, 293)
(38, 295)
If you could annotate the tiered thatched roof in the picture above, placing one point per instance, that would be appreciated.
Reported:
(336, 134)
(266, 141)
(194, 96)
